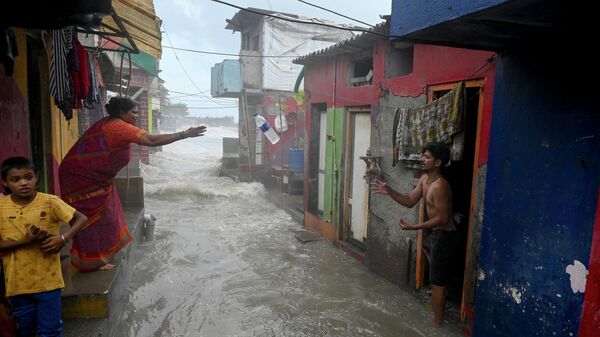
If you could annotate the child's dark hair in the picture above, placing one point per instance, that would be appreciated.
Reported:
(118, 105)
(16, 163)
(439, 151)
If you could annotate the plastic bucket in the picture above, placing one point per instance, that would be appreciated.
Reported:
(296, 160)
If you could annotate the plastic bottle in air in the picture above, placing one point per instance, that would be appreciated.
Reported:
(264, 126)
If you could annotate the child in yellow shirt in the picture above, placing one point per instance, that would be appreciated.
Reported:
(30, 241)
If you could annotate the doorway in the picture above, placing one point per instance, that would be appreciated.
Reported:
(39, 113)
(461, 175)
(316, 168)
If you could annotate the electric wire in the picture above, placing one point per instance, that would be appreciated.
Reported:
(189, 93)
(336, 13)
(200, 107)
(353, 29)
(187, 74)
(229, 54)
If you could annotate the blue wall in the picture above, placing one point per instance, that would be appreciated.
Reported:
(541, 192)
(409, 16)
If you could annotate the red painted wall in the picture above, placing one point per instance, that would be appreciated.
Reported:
(432, 65)
(278, 153)
(590, 321)
(14, 119)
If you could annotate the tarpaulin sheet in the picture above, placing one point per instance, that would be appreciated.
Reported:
(292, 39)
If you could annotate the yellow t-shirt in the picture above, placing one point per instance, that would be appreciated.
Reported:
(27, 269)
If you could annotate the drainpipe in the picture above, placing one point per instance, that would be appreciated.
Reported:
(299, 80)
(280, 124)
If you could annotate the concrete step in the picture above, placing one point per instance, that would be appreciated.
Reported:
(94, 300)
(352, 251)
(86, 295)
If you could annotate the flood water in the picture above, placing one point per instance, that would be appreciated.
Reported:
(225, 262)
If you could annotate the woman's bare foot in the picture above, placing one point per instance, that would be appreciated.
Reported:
(107, 266)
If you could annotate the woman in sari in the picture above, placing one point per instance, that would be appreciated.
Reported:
(87, 181)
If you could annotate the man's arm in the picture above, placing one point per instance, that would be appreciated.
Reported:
(54, 243)
(441, 205)
(409, 200)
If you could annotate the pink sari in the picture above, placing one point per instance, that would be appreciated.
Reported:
(87, 183)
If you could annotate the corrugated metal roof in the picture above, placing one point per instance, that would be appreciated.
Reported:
(355, 44)
(140, 21)
(243, 18)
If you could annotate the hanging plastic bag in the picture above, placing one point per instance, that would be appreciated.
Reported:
(281, 124)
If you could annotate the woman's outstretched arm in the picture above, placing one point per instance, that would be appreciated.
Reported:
(158, 140)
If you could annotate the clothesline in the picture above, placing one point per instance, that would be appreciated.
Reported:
(441, 120)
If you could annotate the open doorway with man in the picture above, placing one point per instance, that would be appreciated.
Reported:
(461, 175)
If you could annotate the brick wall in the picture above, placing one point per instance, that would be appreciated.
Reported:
(141, 79)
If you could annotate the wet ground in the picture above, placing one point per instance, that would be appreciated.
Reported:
(232, 271)
(226, 262)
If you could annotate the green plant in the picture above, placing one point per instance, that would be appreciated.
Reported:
(299, 97)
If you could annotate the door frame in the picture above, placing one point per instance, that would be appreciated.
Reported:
(322, 164)
(40, 114)
(314, 148)
(348, 148)
(421, 263)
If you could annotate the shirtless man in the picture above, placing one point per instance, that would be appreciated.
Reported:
(438, 200)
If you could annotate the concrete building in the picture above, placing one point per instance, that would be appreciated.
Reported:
(264, 80)
(538, 261)
(355, 92)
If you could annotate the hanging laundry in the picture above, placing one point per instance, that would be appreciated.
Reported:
(94, 96)
(440, 120)
(8, 50)
(81, 75)
(72, 60)
(60, 81)
(99, 76)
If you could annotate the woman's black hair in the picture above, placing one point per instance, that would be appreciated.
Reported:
(117, 105)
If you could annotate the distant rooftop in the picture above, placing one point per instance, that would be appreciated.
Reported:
(357, 43)
(245, 18)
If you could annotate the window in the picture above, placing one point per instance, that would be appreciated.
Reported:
(245, 41)
(361, 72)
(250, 42)
(399, 59)
(254, 43)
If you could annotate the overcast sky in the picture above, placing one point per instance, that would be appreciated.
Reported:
(200, 25)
